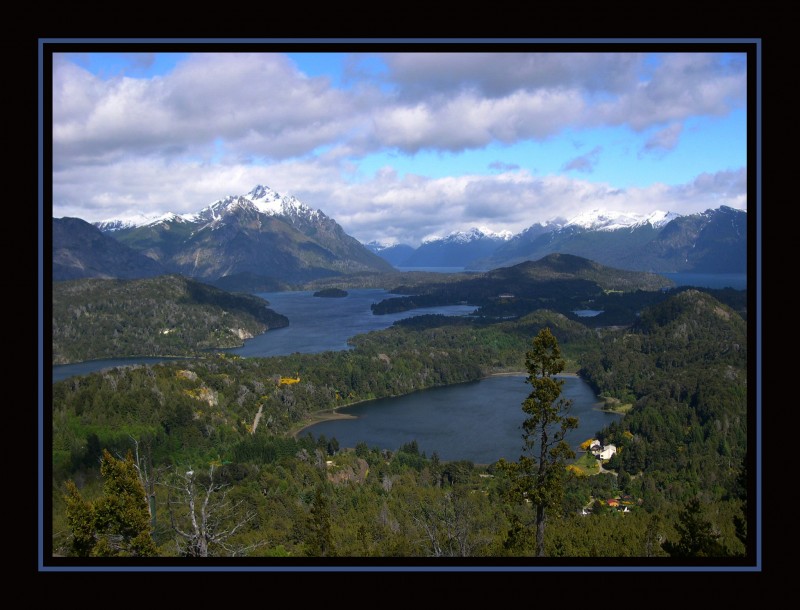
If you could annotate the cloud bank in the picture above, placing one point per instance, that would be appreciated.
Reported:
(220, 123)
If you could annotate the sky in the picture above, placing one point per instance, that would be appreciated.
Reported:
(400, 147)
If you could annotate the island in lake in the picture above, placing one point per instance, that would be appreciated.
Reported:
(335, 293)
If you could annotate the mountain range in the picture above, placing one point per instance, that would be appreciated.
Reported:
(241, 240)
(714, 241)
(266, 241)
(449, 251)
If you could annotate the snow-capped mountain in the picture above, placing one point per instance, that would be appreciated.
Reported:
(599, 220)
(139, 220)
(394, 254)
(470, 235)
(457, 249)
(714, 241)
(259, 235)
(262, 199)
(270, 202)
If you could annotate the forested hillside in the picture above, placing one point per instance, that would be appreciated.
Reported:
(164, 316)
(229, 421)
(683, 368)
(559, 281)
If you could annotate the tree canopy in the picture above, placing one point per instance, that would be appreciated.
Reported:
(118, 523)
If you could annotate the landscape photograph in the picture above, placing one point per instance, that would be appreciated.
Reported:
(399, 306)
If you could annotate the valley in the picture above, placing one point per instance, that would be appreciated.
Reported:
(271, 317)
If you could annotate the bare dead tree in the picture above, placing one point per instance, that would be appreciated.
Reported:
(148, 476)
(446, 525)
(202, 516)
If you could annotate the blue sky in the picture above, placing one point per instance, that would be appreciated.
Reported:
(401, 146)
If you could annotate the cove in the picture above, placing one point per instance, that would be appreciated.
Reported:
(316, 325)
(478, 421)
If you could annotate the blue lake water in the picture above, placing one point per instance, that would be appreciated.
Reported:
(587, 313)
(738, 281)
(433, 269)
(478, 421)
(316, 324)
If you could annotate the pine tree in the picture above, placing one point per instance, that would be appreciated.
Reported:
(539, 475)
(697, 535)
(118, 523)
(320, 541)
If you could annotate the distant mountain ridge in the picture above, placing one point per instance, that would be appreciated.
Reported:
(81, 250)
(458, 249)
(714, 241)
(394, 254)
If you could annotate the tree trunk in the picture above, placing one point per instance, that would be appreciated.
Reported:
(540, 531)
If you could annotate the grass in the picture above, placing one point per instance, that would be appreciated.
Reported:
(616, 405)
(587, 464)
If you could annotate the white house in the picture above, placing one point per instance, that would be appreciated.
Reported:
(606, 452)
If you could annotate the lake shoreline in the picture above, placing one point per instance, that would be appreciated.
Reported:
(321, 416)
(333, 414)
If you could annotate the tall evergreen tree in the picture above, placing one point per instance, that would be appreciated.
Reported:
(697, 535)
(118, 523)
(539, 474)
(320, 540)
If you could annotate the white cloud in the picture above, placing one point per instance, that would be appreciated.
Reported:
(258, 103)
(665, 139)
(386, 207)
(684, 85)
(467, 121)
(500, 74)
(261, 105)
(219, 124)
(584, 163)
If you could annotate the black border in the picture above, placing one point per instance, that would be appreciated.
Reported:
(752, 46)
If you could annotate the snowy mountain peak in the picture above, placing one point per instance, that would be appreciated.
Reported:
(470, 235)
(262, 192)
(504, 235)
(603, 220)
(266, 200)
(658, 218)
(139, 220)
(168, 217)
(260, 199)
(222, 207)
(114, 224)
(273, 203)
(379, 246)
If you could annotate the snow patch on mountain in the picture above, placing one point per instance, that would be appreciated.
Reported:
(658, 218)
(470, 235)
(380, 246)
(606, 220)
(139, 220)
(261, 199)
(275, 204)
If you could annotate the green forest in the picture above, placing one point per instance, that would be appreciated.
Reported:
(202, 457)
(166, 316)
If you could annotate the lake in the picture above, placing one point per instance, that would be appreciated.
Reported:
(319, 324)
(477, 421)
(737, 281)
(316, 324)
